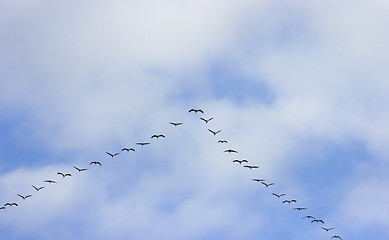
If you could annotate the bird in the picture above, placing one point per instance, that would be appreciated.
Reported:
(231, 151)
(64, 174)
(336, 236)
(308, 216)
(267, 184)
(95, 162)
(289, 201)
(251, 167)
(128, 149)
(142, 143)
(176, 123)
(1, 208)
(222, 141)
(258, 180)
(80, 169)
(317, 220)
(37, 188)
(50, 181)
(299, 208)
(11, 204)
(278, 195)
(327, 229)
(158, 136)
(112, 155)
(206, 120)
(214, 132)
(196, 110)
(24, 197)
(240, 161)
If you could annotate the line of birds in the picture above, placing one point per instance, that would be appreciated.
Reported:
(246, 165)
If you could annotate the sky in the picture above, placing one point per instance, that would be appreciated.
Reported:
(298, 88)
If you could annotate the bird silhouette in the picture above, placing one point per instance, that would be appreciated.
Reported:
(267, 184)
(309, 217)
(336, 236)
(196, 110)
(112, 155)
(142, 143)
(206, 120)
(50, 181)
(80, 169)
(240, 161)
(278, 195)
(251, 167)
(24, 197)
(222, 141)
(231, 151)
(11, 204)
(299, 208)
(158, 136)
(95, 162)
(327, 229)
(289, 201)
(128, 149)
(1, 208)
(258, 180)
(176, 123)
(37, 188)
(214, 132)
(64, 174)
(317, 220)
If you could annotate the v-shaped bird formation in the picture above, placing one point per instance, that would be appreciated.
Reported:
(157, 136)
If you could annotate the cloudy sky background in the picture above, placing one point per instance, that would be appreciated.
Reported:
(298, 88)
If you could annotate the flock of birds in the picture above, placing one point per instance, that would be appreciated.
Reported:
(245, 163)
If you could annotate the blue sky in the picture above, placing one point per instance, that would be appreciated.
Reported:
(298, 88)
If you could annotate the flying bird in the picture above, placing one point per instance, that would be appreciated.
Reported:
(176, 123)
(222, 141)
(278, 195)
(1, 208)
(251, 167)
(24, 197)
(80, 169)
(327, 229)
(11, 204)
(214, 132)
(196, 110)
(158, 136)
(37, 188)
(336, 236)
(96, 163)
(289, 201)
(317, 220)
(50, 181)
(240, 161)
(206, 120)
(112, 155)
(128, 149)
(299, 208)
(309, 217)
(142, 143)
(64, 174)
(267, 184)
(258, 180)
(231, 151)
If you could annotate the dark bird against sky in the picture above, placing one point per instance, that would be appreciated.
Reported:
(206, 120)
(196, 110)
(278, 195)
(24, 197)
(222, 141)
(158, 136)
(240, 161)
(50, 181)
(231, 151)
(64, 174)
(80, 169)
(112, 155)
(214, 132)
(143, 143)
(37, 188)
(95, 162)
(251, 167)
(299, 208)
(128, 149)
(176, 123)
